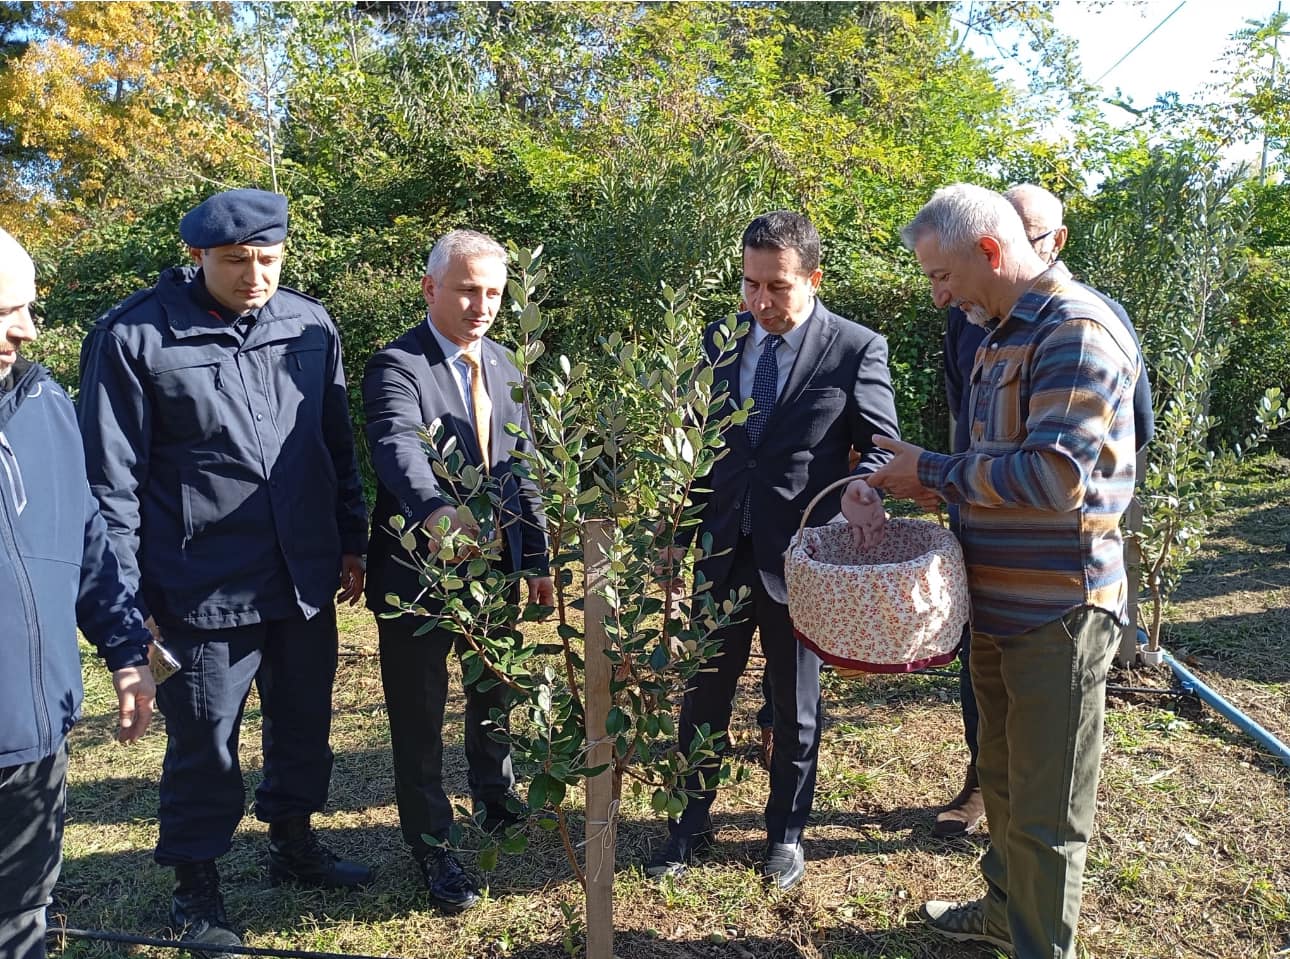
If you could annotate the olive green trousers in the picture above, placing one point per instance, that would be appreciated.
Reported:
(1042, 698)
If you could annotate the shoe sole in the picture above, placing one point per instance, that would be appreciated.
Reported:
(968, 829)
(784, 884)
(677, 869)
(673, 869)
(453, 908)
(1003, 944)
(215, 951)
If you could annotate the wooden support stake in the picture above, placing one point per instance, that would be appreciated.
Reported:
(601, 812)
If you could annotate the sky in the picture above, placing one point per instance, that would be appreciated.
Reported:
(1180, 56)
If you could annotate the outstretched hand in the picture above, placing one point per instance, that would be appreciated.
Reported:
(899, 476)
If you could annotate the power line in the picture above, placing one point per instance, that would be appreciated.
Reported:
(1140, 42)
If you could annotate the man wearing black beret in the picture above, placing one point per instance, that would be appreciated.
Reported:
(218, 443)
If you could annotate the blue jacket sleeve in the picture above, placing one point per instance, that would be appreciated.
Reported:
(105, 607)
(954, 378)
(1144, 418)
(115, 420)
(392, 408)
(338, 433)
(537, 557)
(875, 406)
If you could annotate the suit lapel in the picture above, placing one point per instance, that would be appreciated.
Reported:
(444, 380)
(820, 333)
(733, 371)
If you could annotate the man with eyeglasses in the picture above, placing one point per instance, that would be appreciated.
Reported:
(1041, 214)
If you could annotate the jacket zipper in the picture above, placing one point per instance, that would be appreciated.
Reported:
(33, 627)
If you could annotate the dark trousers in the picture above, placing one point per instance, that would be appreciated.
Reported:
(414, 672)
(967, 695)
(766, 714)
(794, 673)
(33, 805)
(293, 665)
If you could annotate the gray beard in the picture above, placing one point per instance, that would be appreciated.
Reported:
(977, 316)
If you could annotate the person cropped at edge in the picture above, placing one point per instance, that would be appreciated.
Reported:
(57, 572)
(821, 388)
(1041, 214)
(446, 369)
(1040, 490)
(218, 441)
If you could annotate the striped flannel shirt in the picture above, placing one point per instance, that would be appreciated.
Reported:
(1050, 467)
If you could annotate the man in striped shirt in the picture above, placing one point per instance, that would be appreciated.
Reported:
(1040, 489)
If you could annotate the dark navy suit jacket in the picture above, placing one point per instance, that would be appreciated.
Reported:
(406, 385)
(837, 396)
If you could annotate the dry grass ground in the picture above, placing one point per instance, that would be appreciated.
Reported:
(1191, 858)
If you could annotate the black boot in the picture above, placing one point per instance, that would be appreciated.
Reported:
(295, 853)
(197, 910)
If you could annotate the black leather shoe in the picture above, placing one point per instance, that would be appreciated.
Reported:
(508, 810)
(197, 910)
(296, 854)
(679, 853)
(785, 865)
(449, 886)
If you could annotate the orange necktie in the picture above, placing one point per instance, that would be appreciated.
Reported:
(481, 406)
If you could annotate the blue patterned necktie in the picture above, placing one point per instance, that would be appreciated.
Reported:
(764, 389)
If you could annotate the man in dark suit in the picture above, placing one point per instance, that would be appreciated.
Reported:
(445, 369)
(819, 385)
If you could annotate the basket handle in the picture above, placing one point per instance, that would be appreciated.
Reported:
(806, 513)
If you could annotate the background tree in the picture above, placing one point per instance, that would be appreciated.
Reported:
(109, 104)
(1170, 238)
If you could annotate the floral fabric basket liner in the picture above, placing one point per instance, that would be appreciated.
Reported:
(892, 608)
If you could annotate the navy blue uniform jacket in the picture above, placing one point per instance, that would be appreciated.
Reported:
(57, 571)
(837, 396)
(221, 461)
(407, 385)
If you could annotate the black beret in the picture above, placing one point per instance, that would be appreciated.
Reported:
(236, 218)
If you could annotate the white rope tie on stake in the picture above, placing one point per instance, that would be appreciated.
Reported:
(604, 833)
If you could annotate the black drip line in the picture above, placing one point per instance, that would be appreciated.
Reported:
(197, 948)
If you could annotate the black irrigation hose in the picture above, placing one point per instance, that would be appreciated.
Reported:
(196, 948)
(954, 673)
(1170, 692)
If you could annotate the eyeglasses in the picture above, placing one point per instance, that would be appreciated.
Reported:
(1043, 236)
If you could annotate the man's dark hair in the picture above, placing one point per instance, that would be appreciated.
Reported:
(785, 230)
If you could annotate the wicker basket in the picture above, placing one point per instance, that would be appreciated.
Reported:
(892, 608)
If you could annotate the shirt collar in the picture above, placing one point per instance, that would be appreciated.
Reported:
(1045, 286)
(202, 297)
(792, 339)
(451, 351)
